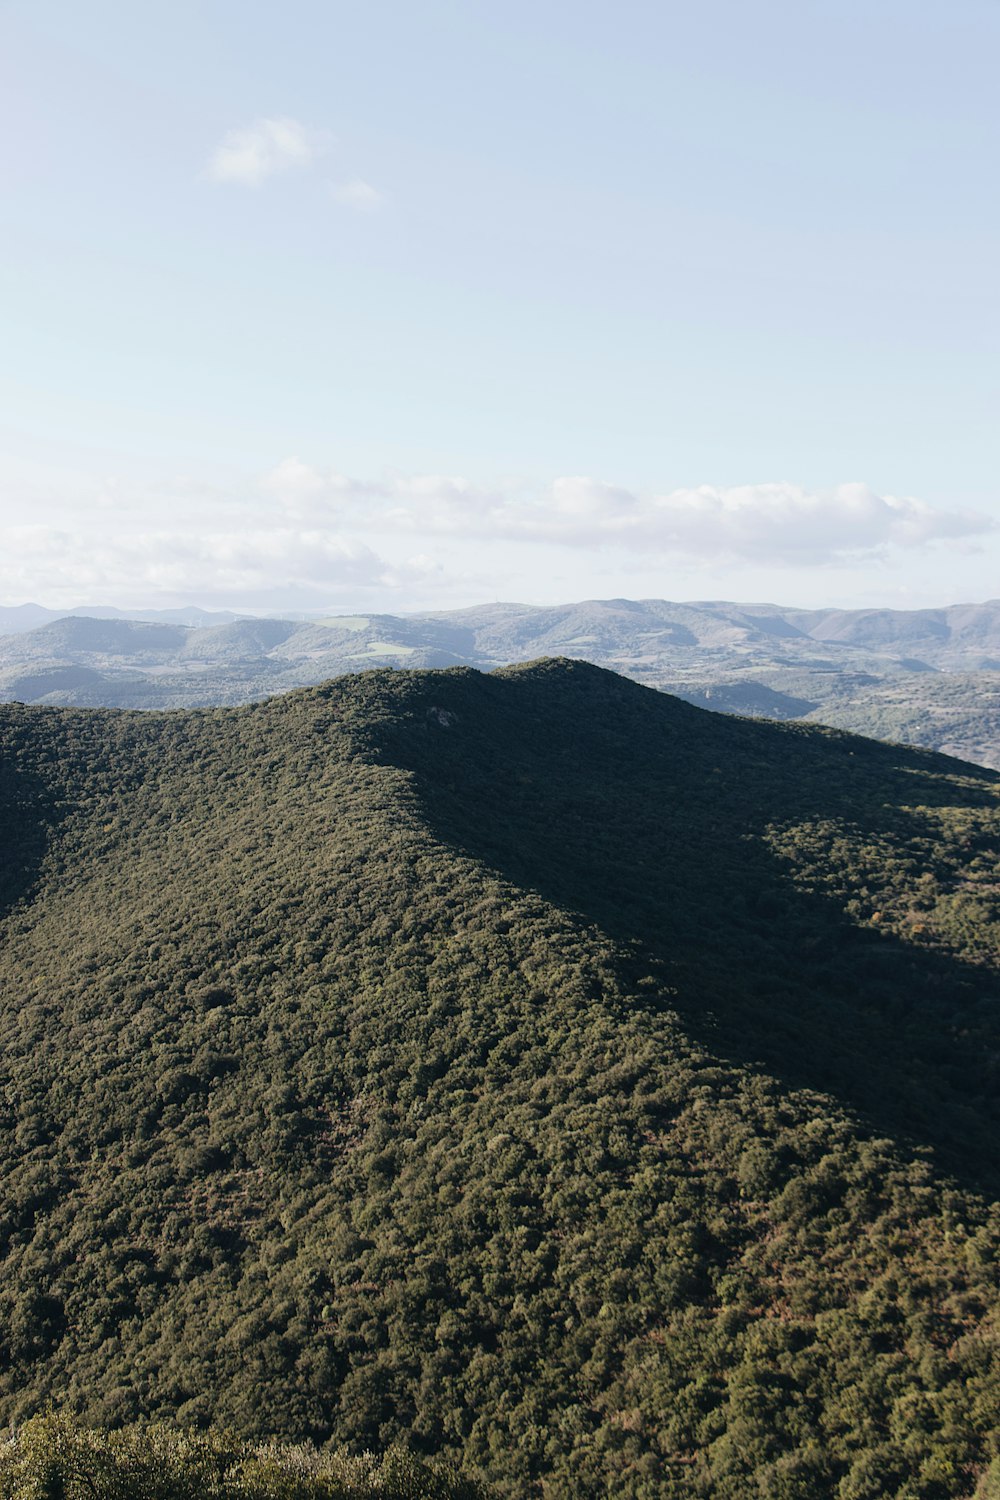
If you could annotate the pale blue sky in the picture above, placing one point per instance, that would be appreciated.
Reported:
(684, 252)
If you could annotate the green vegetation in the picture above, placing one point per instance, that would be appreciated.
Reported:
(955, 712)
(385, 648)
(52, 1457)
(529, 1069)
(345, 622)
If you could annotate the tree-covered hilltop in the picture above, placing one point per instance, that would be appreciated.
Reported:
(531, 1069)
(923, 677)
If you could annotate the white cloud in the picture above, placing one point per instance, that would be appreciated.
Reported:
(252, 153)
(779, 523)
(301, 537)
(357, 194)
(303, 492)
(437, 503)
(775, 522)
(589, 499)
(295, 483)
(786, 523)
(62, 565)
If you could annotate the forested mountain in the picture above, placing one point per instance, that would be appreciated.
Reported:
(529, 1067)
(927, 677)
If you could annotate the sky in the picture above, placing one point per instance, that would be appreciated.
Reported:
(414, 304)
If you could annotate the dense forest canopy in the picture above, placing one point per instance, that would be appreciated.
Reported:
(528, 1068)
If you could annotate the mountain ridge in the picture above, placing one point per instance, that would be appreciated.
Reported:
(528, 1066)
(926, 677)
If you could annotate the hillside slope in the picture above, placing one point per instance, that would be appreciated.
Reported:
(532, 1067)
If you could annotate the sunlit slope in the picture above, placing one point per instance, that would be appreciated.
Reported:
(528, 1066)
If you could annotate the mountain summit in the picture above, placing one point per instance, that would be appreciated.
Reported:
(529, 1066)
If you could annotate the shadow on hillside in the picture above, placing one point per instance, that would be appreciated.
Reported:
(25, 821)
(645, 816)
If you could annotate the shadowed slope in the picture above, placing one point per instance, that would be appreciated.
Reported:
(819, 903)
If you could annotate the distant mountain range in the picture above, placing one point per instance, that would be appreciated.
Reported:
(929, 677)
(17, 617)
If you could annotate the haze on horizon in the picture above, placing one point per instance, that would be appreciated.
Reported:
(402, 307)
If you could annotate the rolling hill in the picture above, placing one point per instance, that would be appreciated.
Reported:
(529, 1067)
(927, 677)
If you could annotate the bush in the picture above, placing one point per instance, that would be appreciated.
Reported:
(55, 1458)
